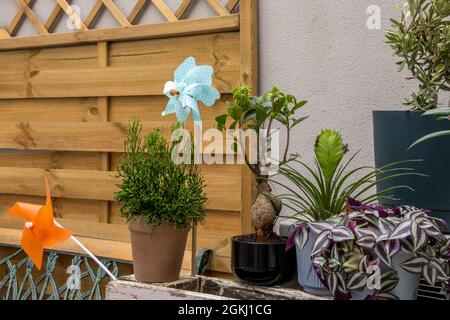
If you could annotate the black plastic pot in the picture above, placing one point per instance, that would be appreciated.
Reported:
(394, 132)
(262, 264)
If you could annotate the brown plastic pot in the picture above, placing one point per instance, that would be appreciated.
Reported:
(157, 252)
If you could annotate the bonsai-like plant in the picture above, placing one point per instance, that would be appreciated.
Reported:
(366, 236)
(153, 188)
(320, 192)
(260, 115)
(444, 114)
(421, 39)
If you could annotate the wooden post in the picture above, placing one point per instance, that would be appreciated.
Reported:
(249, 75)
(104, 110)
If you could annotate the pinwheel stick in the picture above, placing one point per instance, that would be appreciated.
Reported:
(91, 255)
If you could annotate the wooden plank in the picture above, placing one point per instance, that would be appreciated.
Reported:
(116, 13)
(214, 233)
(32, 17)
(165, 10)
(86, 211)
(182, 9)
(218, 7)
(54, 110)
(75, 136)
(137, 10)
(150, 109)
(54, 15)
(222, 184)
(232, 4)
(249, 75)
(18, 18)
(151, 31)
(103, 106)
(96, 82)
(101, 248)
(4, 34)
(51, 160)
(94, 13)
(27, 63)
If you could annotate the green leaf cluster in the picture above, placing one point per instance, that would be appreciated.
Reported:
(421, 39)
(316, 193)
(154, 189)
(274, 108)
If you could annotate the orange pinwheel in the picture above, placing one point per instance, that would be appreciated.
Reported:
(40, 231)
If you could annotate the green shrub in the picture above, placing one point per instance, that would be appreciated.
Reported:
(154, 189)
(421, 39)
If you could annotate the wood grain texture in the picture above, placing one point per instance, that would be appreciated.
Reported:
(135, 68)
(137, 32)
(249, 75)
(222, 184)
(23, 5)
(65, 101)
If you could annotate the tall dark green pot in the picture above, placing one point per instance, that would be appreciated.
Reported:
(394, 132)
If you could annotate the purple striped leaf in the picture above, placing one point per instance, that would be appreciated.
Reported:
(357, 281)
(366, 242)
(342, 234)
(415, 265)
(402, 231)
(407, 246)
(430, 274)
(322, 242)
(389, 281)
(318, 227)
(418, 236)
(380, 251)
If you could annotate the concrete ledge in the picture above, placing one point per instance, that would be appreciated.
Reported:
(199, 288)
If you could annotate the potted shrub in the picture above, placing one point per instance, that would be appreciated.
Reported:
(421, 40)
(318, 193)
(369, 241)
(160, 200)
(260, 258)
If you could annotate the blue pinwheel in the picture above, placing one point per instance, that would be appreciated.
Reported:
(192, 84)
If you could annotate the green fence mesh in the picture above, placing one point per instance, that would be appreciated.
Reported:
(63, 277)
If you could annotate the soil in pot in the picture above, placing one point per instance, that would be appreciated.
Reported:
(157, 252)
(262, 264)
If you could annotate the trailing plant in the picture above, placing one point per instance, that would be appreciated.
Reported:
(260, 115)
(153, 188)
(370, 235)
(443, 114)
(421, 39)
(318, 192)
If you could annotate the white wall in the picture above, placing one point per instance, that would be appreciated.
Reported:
(323, 52)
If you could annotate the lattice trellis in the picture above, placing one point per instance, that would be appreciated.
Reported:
(23, 282)
(25, 10)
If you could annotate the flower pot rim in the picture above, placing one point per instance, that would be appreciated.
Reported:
(283, 241)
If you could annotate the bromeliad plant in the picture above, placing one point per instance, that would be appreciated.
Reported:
(421, 39)
(321, 191)
(259, 115)
(368, 235)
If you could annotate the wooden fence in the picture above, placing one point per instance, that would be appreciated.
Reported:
(66, 98)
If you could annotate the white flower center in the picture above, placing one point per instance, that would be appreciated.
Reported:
(28, 225)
